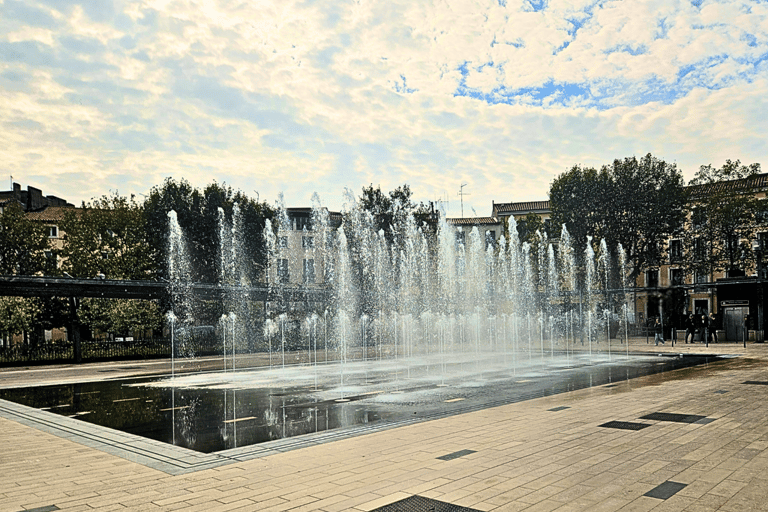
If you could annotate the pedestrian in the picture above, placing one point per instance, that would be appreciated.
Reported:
(690, 328)
(712, 328)
(658, 335)
(704, 326)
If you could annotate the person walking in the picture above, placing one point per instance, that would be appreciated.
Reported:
(704, 326)
(690, 328)
(658, 335)
(712, 328)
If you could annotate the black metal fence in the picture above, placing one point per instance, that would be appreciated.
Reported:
(96, 350)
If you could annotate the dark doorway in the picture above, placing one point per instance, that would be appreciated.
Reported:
(733, 323)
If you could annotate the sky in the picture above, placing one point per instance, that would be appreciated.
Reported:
(298, 97)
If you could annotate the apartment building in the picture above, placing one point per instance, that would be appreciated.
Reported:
(733, 295)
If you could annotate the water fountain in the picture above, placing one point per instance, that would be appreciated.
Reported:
(410, 307)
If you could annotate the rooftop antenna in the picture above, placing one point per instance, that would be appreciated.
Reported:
(461, 195)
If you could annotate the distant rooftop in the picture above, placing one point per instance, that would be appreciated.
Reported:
(522, 207)
(51, 213)
(31, 199)
(471, 221)
(751, 184)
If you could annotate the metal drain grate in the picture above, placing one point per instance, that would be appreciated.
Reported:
(47, 508)
(760, 382)
(625, 425)
(675, 418)
(665, 490)
(456, 455)
(561, 408)
(420, 504)
(721, 391)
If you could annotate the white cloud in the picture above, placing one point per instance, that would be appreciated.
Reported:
(306, 96)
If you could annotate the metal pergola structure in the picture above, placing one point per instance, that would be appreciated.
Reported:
(41, 286)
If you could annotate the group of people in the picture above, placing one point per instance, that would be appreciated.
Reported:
(705, 325)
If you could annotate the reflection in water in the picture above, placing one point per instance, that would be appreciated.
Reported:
(213, 412)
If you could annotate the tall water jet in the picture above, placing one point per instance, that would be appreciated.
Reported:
(589, 255)
(604, 265)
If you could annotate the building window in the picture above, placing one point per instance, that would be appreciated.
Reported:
(283, 275)
(700, 249)
(652, 278)
(51, 259)
(698, 217)
(302, 223)
(676, 276)
(282, 242)
(675, 251)
(762, 247)
(490, 238)
(762, 242)
(308, 242)
(53, 232)
(732, 244)
(309, 270)
(701, 276)
(105, 255)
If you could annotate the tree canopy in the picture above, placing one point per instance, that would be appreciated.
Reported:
(637, 203)
(197, 213)
(724, 219)
(23, 243)
(107, 236)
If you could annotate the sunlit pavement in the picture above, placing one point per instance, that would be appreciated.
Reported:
(709, 452)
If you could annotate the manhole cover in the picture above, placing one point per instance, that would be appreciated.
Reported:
(420, 504)
(625, 425)
(665, 490)
(456, 455)
(676, 418)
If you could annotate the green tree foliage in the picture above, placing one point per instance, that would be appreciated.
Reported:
(107, 236)
(528, 226)
(120, 316)
(637, 203)
(724, 219)
(23, 243)
(18, 315)
(387, 209)
(23, 246)
(197, 213)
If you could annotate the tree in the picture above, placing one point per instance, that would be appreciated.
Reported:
(23, 247)
(198, 217)
(724, 218)
(637, 203)
(528, 226)
(23, 243)
(107, 236)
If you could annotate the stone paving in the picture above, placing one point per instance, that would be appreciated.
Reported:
(540, 455)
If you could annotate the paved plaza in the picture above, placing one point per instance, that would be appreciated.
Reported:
(693, 439)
